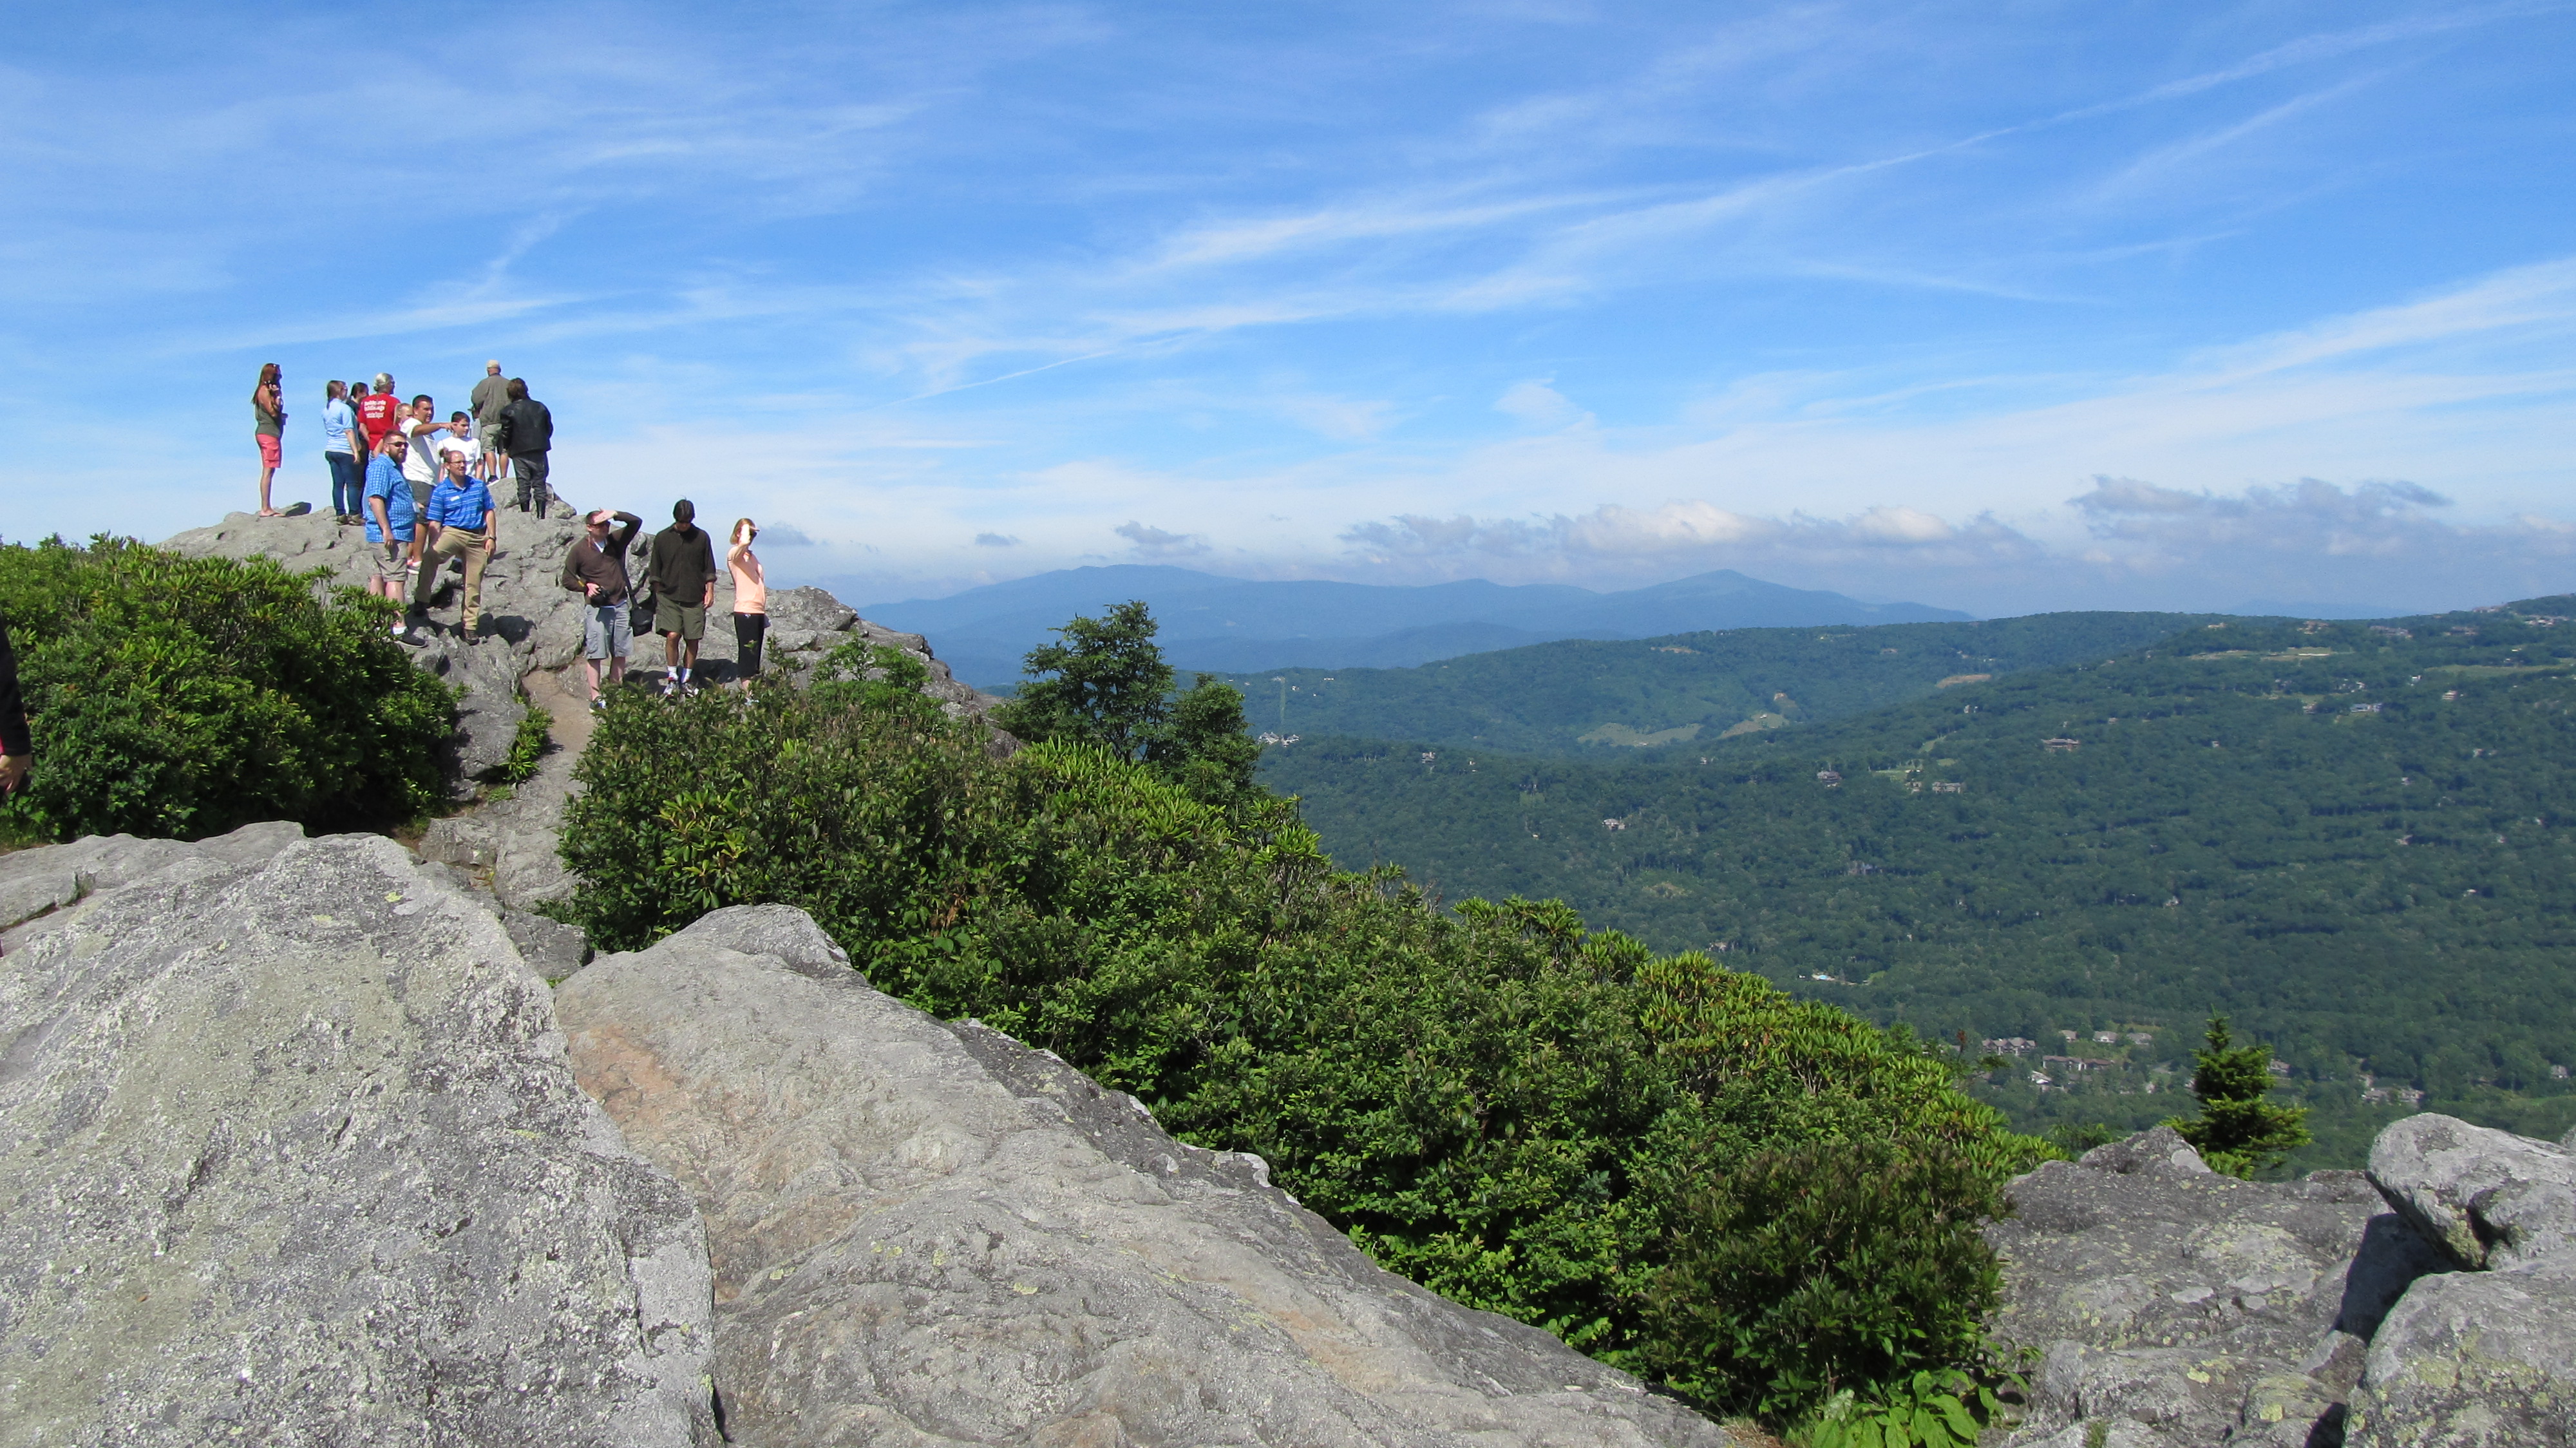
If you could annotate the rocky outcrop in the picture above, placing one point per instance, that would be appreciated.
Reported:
(933, 1235)
(530, 621)
(2171, 1306)
(534, 624)
(2475, 1360)
(510, 846)
(290, 1153)
(2488, 1198)
(528, 656)
(2196, 1307)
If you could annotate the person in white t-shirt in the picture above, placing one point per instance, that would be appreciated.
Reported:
(460, 439)
(421, 466)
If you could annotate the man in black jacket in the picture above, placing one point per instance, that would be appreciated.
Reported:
(17, 751)
(526, 433)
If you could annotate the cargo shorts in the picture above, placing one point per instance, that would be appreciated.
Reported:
(687, 619)
(606, 632)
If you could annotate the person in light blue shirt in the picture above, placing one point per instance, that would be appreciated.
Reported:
(389, 520)
(462, 524)
(340, 453)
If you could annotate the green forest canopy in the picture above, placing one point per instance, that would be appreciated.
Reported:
(2352, 838)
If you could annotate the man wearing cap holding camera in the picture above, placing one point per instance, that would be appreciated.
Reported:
(596, 569)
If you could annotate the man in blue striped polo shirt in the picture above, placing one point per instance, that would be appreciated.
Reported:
(462, 522)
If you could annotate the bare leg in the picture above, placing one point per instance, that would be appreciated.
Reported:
(590, 673)
(616, 668)
(692, 664)
(265, 510)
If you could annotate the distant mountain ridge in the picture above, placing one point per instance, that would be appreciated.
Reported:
(1231, 624)
(1588, 696)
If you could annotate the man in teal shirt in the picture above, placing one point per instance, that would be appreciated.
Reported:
(389, 524)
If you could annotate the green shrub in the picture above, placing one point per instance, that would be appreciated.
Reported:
(1823, 1268)
(1517, 1113)
(188, 696)
(857, 803)
(527, 747)
(1946, 1409)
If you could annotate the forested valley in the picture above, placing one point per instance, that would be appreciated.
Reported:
(2352, 838)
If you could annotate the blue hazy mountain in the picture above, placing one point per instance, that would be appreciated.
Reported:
(1231, 624)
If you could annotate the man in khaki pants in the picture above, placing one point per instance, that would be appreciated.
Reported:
(461, 521)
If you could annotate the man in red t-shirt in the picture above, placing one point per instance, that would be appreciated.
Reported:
(379, 412)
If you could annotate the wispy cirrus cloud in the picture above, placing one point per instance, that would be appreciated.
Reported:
(1831, 287)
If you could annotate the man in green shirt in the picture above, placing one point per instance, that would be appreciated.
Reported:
(684, 586)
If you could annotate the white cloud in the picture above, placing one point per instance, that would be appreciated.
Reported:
(1155, 543)
(2142, 545)
(1536, 403)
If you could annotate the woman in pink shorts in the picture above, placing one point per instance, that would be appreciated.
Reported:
(268, 422)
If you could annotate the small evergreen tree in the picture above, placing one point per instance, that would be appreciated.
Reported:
(1110, 686)
(2237, 1131)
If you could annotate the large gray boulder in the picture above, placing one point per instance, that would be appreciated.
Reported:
(2488, 1198)
(2173, 1305)
(290, 1153)
(37, 882)
(2475, 1360)
(925, 1235)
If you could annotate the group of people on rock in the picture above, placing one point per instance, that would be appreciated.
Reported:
(362, 422)
(419, 487)
(678, 588)
(422, 491)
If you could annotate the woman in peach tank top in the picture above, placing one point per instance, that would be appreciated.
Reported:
(750, 601)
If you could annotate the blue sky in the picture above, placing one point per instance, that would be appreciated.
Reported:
(1998, 306)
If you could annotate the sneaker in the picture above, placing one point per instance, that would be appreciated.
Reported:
(670, 688)
(396, 630)
(599, 703)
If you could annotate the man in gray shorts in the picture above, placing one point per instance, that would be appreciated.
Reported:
(595, 568)
(684, 585)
